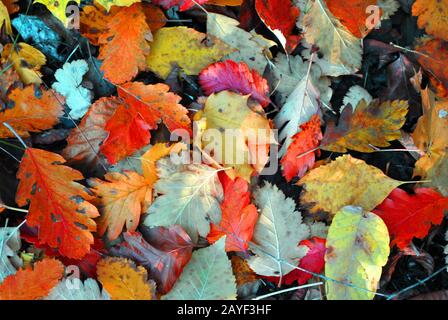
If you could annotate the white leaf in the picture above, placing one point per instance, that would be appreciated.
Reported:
(337, 44)
(388, 8)
(74, 289)
(9, 245)
(354, 95)
(277, 234)
(68, 83)
(208, 276)
(189, 197)
(251, 48)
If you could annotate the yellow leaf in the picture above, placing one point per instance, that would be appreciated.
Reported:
(345, 181)
(4, 18)
(239, 136)
(185, 47)
(26, 60)
(157, 152)
(357, 249)
(121, 199)
(123, 280)
(58, 8)
(119, 3)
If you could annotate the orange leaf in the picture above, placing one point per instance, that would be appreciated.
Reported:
(124, 46)
(93, 22)
(352, 14)
(298, 158)
(432, 16)
(433, 59)
(243, 273)
(33, 110)
(123, 280)
(31, 284)
(238, 216)
(225, 2)
(145, 106)
(83, 143)
(121, 199)
(155, 18)
(11, 5)
(157, 151)
(59, 206)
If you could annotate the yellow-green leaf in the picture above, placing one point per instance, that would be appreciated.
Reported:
(357, 249)
(4, 18)
(189, 49)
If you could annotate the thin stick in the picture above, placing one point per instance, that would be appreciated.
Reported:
(287, 290)
(9, 154)
(15, 133)
(13, 208)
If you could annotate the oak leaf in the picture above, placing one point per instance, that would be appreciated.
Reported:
(411, 216)
(237, 77)
(345, 181)
(357, 249)
(238, 216)
(298, 158)
(59, 206)
(124, 46)
(26, 60)
(185, 47)
(432, 16)
(33, 109)
(32, 283)
(369, 124)
(123, 280)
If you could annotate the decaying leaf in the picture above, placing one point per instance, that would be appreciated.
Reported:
(432, 16)
(26, 60)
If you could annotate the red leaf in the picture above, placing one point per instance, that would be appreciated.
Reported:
(163, 251)
(183, 4)
(411, 216)
(295, 162)
(280, 17)
(229, 75)
(314, 261)
(238, 216)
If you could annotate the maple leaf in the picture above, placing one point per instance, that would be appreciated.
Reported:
(411, 216)
(26, 60)
(123, 280)
(190, 197)
(68, 83)
(144, 106)
(232, 76)
(121, 199)
(32, 283)
(215, 281)
(330, 188)
(170, 46)
(251, 48)
(9, 243)
(75, 289)
(83, 143)
(432, 57)
(124, 47)
(238, 216)
(313, 261)
(357, 249)
(58, 8)
(182, 4)
(337, 44)
(4, 18)
(230, 113)
(32, 110)
(296, 162)
(432, 16)
(280, 17)
(353, 15)
(59, 206)
(162, 251)
(369, 124)
(277, 234)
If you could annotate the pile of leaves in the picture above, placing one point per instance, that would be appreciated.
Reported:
(99, 99)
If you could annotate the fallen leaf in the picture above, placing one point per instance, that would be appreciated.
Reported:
(182, 4)
(32, 283)
(357, 249)
(10, 242)
(4, 18)
(411, 216)
(108, 4)
(123, 280)
(432, 16)
(330, 188)
(58, 8)
(26, 60)
(75, 289)
(59, 206)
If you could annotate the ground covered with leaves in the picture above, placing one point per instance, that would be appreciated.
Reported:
(223, 149)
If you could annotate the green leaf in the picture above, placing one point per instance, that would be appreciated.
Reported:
(208, 276)
(357, 249)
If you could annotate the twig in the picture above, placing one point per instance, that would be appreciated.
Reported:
(287, 290)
